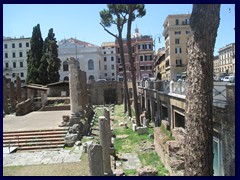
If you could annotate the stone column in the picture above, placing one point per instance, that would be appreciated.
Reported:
(43, 98)
(18, 89)
(95, 160)
(12, 97)
(5, 103)
(106, 114)
(104, 133)
(73, 89)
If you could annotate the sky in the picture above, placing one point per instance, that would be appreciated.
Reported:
(81, 21)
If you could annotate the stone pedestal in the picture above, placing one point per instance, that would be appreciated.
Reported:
(95, 160)
(12, 97)
(5, 103)
(104, 133)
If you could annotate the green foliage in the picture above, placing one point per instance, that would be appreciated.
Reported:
(34, 56)
(166, 132)
(43, 62)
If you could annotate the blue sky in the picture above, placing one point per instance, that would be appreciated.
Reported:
(82, 21)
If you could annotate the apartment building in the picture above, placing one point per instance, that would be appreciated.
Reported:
(176, 33)
(15, 58)
(226, 60)
(109, 61)
(142, 48)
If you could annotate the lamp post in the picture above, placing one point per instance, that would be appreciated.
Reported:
(154, 40)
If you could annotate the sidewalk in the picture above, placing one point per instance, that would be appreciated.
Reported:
(34, 120)
(43, 157)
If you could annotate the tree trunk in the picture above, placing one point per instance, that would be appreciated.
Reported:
(120, 42)
(133, 70)
(204, 23)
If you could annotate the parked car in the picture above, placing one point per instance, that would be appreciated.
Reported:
(229, 79)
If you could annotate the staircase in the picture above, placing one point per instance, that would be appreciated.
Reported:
(35, 139)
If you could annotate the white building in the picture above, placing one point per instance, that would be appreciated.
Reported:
(109, 60)
(15, 58)
(89, 57)
(226, 62)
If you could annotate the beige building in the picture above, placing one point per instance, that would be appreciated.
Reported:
(226, 61)
(109, 61)
(176, 33)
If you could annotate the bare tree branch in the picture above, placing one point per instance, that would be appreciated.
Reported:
(108, 31)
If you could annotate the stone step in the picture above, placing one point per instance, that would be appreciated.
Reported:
(35, 139)
(42, 143)
(54, 146)
(37, 133)
(37, 130)
(7, 141)
(18, 137)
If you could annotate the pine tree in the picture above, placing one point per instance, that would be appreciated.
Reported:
(34, 56)
(51, 54)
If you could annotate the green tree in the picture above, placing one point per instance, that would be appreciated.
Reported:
(44, 65)
(54, 62)
(34, 56)
(204, 23)
(116, 14)
(134, 10)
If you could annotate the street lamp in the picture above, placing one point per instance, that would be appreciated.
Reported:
(159, 40)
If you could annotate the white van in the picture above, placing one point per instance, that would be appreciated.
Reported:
(229, 78)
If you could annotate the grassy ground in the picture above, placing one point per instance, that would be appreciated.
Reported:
(128, 141)
(65, 169)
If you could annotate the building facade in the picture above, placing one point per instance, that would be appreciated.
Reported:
(226, 61)
(176, 33)
(89, 58)
(142, 49)
(109, 60)
(15, 58)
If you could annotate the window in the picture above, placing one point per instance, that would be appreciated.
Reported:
(105, 67)
(65, 66)
(119, 60)
(20, 54)
(113, 74)
(141, 58)
(118, 50)
(111, 52)
(20, 45)
(120, 69)
(27, 44)
(22, 74)
(5, 46)
(13, 54)
(178, 50)
(14, 65)
(90, 65)
(6, 65)
(112, 58)
(13, 74)
(142, 67)
(177, 21)
(104, 52)
(112, 67)
(177, 41)
(187, 21)
(187, 32)
(148, 67)
(13, 45)
(105, 74)
(177, 32)
(178, 63)
(148, 57)
(6, 55)
(148, 46)
(105, 59)
(21, 64)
